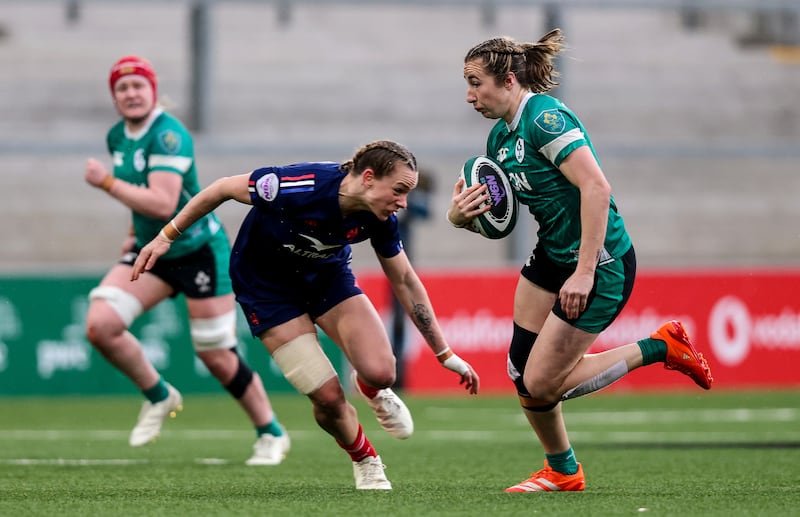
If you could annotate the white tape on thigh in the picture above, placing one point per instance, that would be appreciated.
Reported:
(214, 333)
(304, 364)
(126, 305)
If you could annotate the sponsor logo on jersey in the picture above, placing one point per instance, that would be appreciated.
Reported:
(519, 150)
(318, 245)
(308, 254)
(267, 187)
(551, 121)
(292, 184)
(501, 154)
(170, 141)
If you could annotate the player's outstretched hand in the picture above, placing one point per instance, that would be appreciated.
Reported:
(469, 378)
(147, 258)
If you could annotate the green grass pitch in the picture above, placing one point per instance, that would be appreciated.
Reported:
(682, 454)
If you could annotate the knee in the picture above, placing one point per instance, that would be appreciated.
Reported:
(220, 363)
(111, 312)
(100, 332)
(380, 380)
(378, 374)
(541, 388)
(329, 402)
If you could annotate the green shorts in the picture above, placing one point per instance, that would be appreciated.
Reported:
(613, 284)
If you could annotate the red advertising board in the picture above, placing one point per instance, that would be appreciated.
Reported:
(746, 322)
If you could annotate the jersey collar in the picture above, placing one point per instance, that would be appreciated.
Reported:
(139, 134)
(518, 115)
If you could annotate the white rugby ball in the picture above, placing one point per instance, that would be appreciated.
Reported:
(500, 220)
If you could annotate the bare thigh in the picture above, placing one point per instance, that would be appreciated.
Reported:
(559, 346)
(210, 307)
(356, 327)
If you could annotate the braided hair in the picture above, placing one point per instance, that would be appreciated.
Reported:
(380, 156)
(532, 63)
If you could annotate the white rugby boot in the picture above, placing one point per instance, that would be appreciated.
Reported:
(370, 475)
(389, 409)
(269, 449)
(152, 416)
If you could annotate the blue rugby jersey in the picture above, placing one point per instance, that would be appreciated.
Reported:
(296, 222)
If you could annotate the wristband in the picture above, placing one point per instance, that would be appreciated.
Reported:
(107, 182)
(455, 363)
(170, 231)
(165, 237)
(444, 354)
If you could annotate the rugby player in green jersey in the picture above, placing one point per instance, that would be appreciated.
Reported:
(581, 272)
(154, 175)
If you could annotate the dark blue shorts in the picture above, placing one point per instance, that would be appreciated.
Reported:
(276, 294)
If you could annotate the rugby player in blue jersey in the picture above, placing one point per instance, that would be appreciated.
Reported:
(290, 267)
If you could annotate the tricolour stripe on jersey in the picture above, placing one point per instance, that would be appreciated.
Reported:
(303, 183)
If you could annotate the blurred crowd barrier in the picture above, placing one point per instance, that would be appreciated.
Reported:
(745, 322)
(44, 350)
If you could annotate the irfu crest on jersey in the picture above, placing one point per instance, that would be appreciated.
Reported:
(551, 121)
(519, 150)
(170, 141)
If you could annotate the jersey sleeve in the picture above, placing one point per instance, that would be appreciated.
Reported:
(171, 150)
(555, 133)
(385, 239)
(263, 186)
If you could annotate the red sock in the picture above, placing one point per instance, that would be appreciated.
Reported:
(368, 391)
(360, 448)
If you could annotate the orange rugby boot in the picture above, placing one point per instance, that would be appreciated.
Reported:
(548, 480)
(681, 355)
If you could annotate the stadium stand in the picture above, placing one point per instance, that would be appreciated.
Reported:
(698, 134)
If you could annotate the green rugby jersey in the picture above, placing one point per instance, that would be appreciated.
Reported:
(542, 134)
(163, 145)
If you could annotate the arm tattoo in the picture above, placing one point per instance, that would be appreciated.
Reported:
(423, 320)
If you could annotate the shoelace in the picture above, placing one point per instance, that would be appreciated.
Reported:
(385, 400)
(373, 471)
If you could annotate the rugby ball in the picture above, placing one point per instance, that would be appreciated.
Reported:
(500, 220)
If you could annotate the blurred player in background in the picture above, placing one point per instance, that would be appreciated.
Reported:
(291, 270)
(581, 273)
(154, 175)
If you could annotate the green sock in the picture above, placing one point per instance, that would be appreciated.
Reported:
(653, 350)
(564, 462)
(274, 428)
(158, 392)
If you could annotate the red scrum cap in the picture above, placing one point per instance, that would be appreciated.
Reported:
(133, 65)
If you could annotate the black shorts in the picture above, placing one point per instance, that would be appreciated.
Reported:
(613, 284)
(200, 274)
